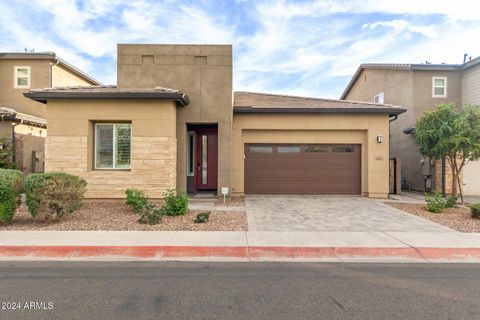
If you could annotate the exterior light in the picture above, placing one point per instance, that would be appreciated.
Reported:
(380, 138)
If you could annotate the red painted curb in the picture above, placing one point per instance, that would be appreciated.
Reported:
(243, 252)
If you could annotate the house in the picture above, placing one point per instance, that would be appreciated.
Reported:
(172, 121)
(419, 87)
(22, 120)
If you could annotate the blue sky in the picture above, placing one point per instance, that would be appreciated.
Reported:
(294, 47)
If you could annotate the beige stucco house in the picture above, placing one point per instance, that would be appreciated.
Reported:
(172, 121)
(22, 120)
(419, 87)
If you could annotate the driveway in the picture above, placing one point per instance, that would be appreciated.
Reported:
(330, 213)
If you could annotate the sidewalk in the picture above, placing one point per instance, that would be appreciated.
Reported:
(240, 246)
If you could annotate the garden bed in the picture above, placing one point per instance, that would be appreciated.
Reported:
(458, 218)
(115, 215)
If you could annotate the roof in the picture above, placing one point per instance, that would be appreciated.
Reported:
(107, 92)
(252, 102)
(408, 66)
(12, 115)
(49, 56)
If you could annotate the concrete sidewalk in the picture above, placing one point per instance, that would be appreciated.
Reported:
(241, 246)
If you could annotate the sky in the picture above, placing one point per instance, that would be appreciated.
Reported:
(309, 48)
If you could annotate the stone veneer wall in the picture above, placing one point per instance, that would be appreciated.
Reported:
(153, 166)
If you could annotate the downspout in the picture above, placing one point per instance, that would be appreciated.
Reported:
(51, 71)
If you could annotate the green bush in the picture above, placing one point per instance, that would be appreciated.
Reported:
(54, 194)
(10, 191)
(475, 210)
(136, 199)
(435, 202)
(202, 217)
(151, 214)
(175, 205)
(451, 201)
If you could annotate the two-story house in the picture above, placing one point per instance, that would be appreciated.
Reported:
(22, 120)
(419, 87)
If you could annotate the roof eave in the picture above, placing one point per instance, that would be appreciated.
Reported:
(181, 98)
(389, 111)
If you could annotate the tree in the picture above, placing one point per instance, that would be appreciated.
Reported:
(453, 134)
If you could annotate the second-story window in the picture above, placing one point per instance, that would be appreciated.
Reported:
(378, 98)
(439, 87)
(21, 78)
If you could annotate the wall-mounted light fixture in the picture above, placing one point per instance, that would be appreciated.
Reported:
(380, 138)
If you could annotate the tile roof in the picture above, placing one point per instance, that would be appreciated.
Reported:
(107, 92)
(252, 102)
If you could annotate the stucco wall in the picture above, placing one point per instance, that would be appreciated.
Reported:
(62, 77)
(70, 144)
(11, 97)
(352, 129)
(204, 72)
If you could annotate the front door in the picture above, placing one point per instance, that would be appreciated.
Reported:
(206, 159)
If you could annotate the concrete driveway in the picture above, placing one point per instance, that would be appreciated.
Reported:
(330, 213)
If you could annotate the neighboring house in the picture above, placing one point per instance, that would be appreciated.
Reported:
(419, 87)
(22, 118)
(142, 134)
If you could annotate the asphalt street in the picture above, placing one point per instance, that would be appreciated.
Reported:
(200, 290)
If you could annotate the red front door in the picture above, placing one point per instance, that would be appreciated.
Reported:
(206, 159)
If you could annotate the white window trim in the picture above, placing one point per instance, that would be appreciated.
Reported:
(381, 98)
(444, 95)
(192, 173)
(15, 77)
(114, 147)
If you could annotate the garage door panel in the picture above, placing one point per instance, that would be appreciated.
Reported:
(331, 169)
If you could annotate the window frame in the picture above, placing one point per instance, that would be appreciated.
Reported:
(15, 77)
(191, 134)
(444, 87)
(381, 97)
(114, 145)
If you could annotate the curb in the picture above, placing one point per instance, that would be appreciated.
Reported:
(240, 253)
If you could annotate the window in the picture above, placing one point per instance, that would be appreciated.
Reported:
(439, 87)
(259, 149)
(190, 153)
(112, 145)
(342, 149)
(21, 77)
(289, 149)
(378, 98)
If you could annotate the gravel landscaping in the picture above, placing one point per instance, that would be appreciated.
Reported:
(231, 201)
(458, 218)
(115, 215)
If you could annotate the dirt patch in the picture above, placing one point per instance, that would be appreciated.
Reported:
(456, 218)
(110, 215)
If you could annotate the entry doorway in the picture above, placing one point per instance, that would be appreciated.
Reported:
(202, 158)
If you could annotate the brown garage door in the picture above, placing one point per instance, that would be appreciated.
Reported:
(302, 169)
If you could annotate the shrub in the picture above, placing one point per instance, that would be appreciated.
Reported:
(175, 205)
(136, 199)
(54, 194)
(10, 191)
(202, 217)
(451, 201)
(151, 214)
(435, 202)
(475, 210)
